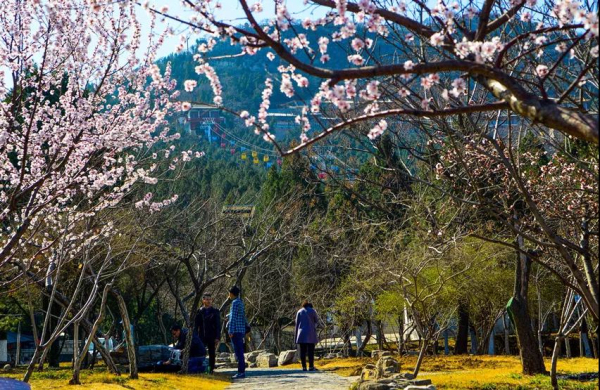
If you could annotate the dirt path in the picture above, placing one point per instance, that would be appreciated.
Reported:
(280, 378)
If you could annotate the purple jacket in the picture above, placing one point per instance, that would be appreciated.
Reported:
(306, 326)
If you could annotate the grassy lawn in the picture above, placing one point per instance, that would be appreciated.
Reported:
(56, 379)
(474, 372)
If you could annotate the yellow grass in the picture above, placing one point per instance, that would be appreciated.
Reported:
(58, 379)
(474, 372)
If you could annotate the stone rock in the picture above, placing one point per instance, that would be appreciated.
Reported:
(378, 354)
(420, 382)
(371, 385)
(224, 357)
(368, 372)
(407, 375)
(266, 360)
(253, 365)
(7, 367)
(415, 387)
(287, 357)
(251, 356)
(387, 366)
(329, 356)
(339, 355)
(228, 365)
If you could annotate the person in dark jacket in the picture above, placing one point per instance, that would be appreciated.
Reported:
(306, 334)
(197, 353)
(208, 326)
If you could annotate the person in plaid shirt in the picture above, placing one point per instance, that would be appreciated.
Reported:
(236, 327)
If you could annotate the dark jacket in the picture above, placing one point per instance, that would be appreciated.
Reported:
(208, 324)
(196, 349)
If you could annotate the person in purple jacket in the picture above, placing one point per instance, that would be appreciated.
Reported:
(306, 334)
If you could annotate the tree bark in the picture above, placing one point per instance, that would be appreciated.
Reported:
(531, 357)
(36, 356)
(474, 346)
(555, 354)
(363, 344)
(80, 357)
(131, 355)
(53, 352)
(506, 335)
(380, 335)
(400, 334)
(422, 353)
(461, 346)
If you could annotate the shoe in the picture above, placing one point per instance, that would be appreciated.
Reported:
(239, 376)
(312, 369)
(304, 369)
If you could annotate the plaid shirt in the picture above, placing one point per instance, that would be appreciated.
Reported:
(237, 317)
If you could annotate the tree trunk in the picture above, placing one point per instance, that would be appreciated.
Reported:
(161, 324)
(348, 345)
(363, 344)
(75, 345)
(131, 354)
(555, 353)
(400, 334)
(422, 353)
(79, 358)
(36, 356)
(473, 340)
(531, 357)
(594, 341)
(380, 335)
(54, 349)
(568, 347)
(506, 335)
(461, 346)
(190, 326)
(446, 344)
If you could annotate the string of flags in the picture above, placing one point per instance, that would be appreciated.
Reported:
(245, 152)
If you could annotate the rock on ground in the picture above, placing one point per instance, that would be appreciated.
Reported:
(266, 360)
(288, 357)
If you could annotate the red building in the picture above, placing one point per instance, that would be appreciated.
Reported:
(205, 121)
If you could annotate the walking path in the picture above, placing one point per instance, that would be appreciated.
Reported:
(285, 378)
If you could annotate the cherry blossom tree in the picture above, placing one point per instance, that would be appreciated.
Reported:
(81, 103)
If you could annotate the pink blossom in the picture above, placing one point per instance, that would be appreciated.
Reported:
(377, 130)
(541, 70)
(404, 92)
(356, 59)
(358, 44)
(437, 39)
(189, 85)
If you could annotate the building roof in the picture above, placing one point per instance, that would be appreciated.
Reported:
(12, 337)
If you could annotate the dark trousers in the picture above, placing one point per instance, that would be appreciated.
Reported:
(307, 348)
(238, 347)
(160, 367)
(212, 353)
